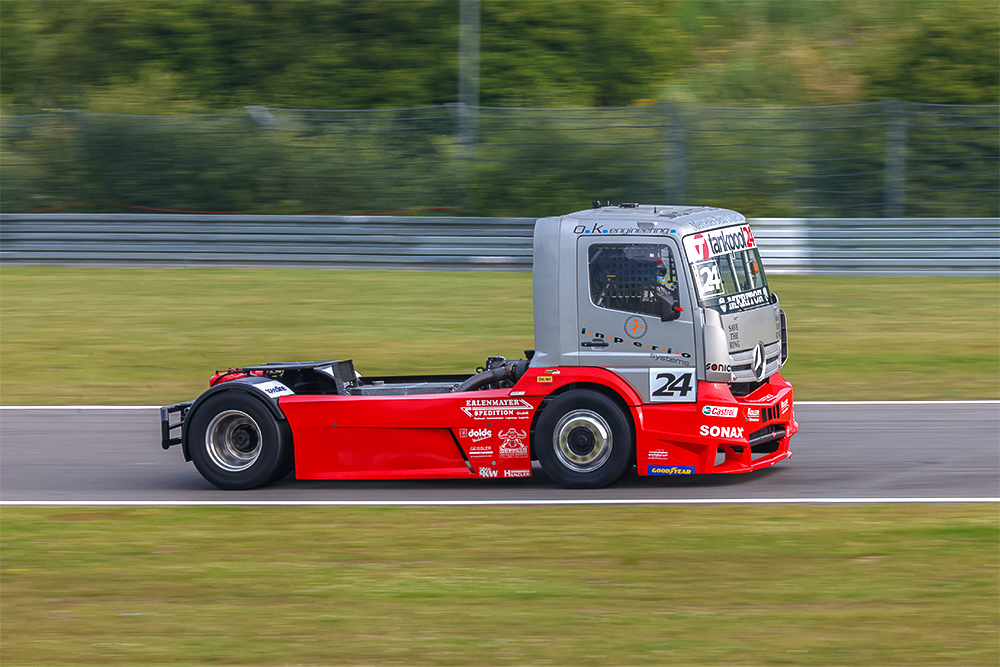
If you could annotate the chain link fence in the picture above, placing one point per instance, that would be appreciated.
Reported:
(883, 159)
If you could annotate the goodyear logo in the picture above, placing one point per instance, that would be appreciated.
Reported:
(670, 470)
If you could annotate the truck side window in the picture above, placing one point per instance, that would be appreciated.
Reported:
(632, 277)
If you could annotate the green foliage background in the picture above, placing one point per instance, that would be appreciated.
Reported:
(162, 56)
(145, 104)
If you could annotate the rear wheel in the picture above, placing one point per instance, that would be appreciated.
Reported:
(236, 443)
(583, 440)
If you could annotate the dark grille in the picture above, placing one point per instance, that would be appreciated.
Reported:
(766, 435)
(767, 414)
(740, 389)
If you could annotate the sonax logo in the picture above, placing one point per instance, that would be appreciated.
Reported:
(722, 431)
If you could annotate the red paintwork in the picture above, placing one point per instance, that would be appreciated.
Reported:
(486, 433)
(670, 435)
(231, 374)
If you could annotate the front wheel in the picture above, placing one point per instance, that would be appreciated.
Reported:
(583, 440)
(236, 443)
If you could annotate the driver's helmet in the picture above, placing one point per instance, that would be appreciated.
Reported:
(662, 273)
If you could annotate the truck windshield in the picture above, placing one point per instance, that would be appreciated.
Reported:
(727, 269)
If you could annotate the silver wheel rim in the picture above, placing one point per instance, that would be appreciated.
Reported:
(233, 440)
(582, 440)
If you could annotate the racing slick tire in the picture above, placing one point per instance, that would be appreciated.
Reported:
(236, 443)
(583, 440)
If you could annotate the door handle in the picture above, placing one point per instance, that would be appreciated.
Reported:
(594, 343)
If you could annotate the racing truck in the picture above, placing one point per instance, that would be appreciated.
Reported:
(658, 345)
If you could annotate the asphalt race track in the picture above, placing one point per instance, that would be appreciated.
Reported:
(932, 450)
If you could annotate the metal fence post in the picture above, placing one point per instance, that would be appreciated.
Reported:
(895, 159)
(675, 153)
(468, 93)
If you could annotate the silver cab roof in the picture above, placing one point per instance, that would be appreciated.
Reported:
(649, 220)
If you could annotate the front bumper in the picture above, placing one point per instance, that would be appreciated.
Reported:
(721, 433)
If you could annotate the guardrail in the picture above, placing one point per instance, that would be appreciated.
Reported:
(890, 246)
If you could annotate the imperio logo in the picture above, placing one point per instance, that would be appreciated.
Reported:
(618, 340)
(670, 470)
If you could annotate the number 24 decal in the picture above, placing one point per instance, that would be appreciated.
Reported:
(672, 386)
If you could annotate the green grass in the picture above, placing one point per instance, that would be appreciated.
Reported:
(789, 585)
(151, 336)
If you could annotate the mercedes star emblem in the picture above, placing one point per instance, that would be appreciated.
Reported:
(759, 362)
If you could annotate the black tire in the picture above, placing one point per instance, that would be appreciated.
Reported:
(236, 443)
(584, 440)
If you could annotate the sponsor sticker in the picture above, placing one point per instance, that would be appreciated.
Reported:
(517, 473)
(753, 415)
(744, 300)
(721, 431)
(674, 361)
(720, 411)
(513, 443)
(475, 434)
(706, 245)
(658, 455)
(669, 470)
(601, 229)
(618, 340)
(784, 406)
(481, 452)
(497, 408)
(734, 336)
(544, 379)
(487, 472)
(272, 388)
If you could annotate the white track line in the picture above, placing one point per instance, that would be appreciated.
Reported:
(157, 407)
(460, 503)
(79, 407)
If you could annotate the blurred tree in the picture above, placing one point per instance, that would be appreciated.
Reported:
(952, 56)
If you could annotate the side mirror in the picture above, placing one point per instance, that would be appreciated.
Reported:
(668, 308)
